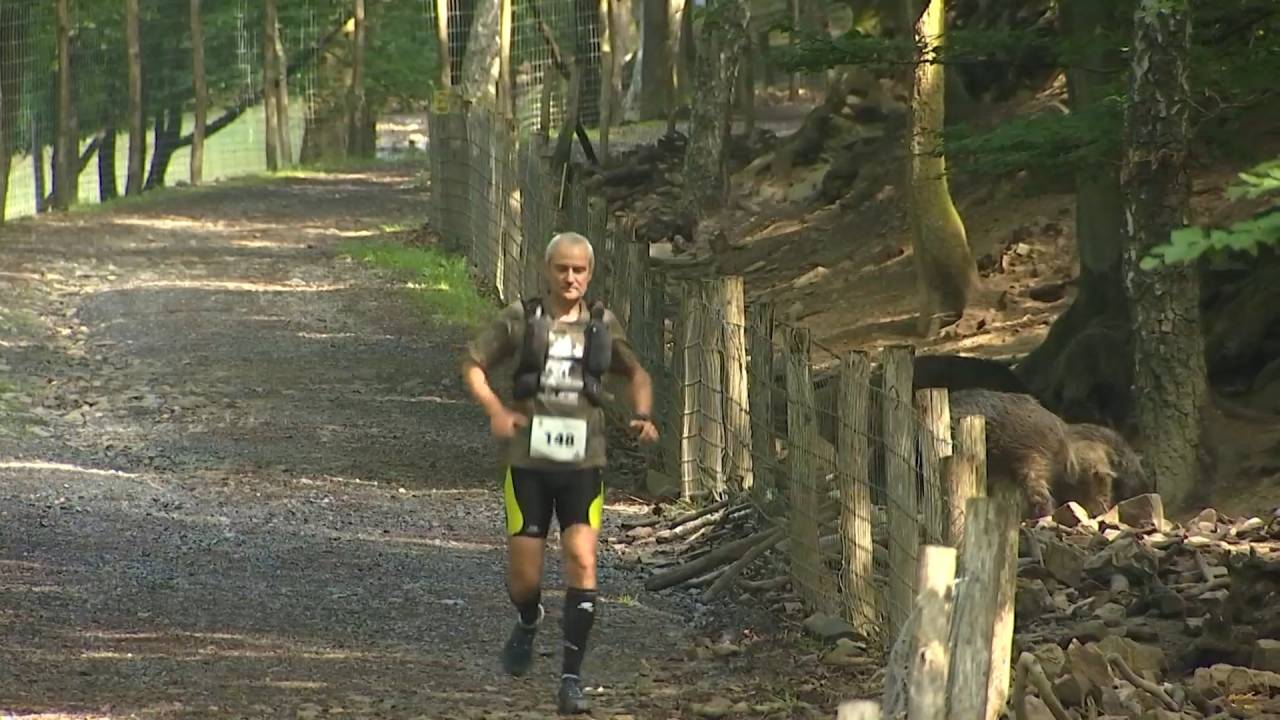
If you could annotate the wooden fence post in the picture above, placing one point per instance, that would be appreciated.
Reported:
(966, 472)
(711, 379)
(808, 571)
(853, 477)
(982, 639)
(934, 410)
(898, 423)
(760, 377)
(737, 408)
(931, 662)
(686, 362)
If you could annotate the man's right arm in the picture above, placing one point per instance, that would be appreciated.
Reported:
(491, 346)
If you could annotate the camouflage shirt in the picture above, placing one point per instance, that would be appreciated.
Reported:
(498, 346)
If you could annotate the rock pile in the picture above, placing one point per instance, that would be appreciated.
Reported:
(1128, 615)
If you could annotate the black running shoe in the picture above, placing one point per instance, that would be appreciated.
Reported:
(571, 699)
(518, 652)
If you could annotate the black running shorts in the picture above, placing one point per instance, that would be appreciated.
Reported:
(575, 496)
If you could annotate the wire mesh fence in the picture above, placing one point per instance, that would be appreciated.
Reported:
(838, 451)
(87, 55)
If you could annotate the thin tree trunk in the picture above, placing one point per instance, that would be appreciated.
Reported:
(356, 93)
(37, 163)
(284, 144)
(168, 132)
(201, 94)
(137, 121)
(270, 104)
(107, 186)
(1170, 381)
(67, 165)
(12, 61)
(506, 90)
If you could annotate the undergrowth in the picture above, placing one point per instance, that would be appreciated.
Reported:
(439, 281)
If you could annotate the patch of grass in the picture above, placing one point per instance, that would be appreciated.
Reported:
(439, 281)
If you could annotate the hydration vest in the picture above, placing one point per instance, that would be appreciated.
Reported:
(531, 375)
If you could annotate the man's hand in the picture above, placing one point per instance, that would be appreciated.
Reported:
(504, 422)
(647, 430)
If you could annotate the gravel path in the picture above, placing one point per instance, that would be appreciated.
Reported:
(239, 478)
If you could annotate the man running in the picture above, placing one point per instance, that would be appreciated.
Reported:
(553, 443)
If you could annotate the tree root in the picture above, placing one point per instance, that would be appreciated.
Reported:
(1028, 665)
(1146, 686)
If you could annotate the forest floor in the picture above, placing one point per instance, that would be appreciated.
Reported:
(240, 478)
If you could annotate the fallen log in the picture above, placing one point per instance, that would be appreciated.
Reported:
(713, 559)
(734, 570)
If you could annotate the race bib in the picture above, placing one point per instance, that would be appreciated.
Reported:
(558, 439)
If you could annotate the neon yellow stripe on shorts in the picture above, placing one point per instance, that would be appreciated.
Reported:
(596, 511)
(515, 517)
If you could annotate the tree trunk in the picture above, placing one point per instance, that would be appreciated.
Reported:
(609, 86)
(137, 121)
(1171, 388)
(1081, 370)
(270, 101)
(356, 92)
(746, 94)
(481, 66)
(168, 132)
(37, 163)
(14, 34)
(107, 186)
(945, 269)
(706, 173)
(201, 94)
(652, 90)
(67, 166)
(283, 142)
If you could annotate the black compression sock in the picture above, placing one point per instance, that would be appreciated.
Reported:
(579, 616)
(529, 608)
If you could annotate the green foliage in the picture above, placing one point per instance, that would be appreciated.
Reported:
(1051, 141)
(1189, 244)
(440, 282)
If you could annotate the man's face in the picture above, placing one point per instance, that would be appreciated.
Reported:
(569, 271)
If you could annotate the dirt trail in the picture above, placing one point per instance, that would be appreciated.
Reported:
(238, 478)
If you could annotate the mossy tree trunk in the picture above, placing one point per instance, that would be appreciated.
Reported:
(946, 273)
(1170, 382)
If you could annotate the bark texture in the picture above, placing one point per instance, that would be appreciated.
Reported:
(652, 90)
(482, 63)
(706, 173)
(1169, 376)
(945, 270)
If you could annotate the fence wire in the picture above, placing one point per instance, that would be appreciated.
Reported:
(830, 447)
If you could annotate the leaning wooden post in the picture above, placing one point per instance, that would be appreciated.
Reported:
(930, 665)
(966, 472)
(737, 408)
(982, 640)
(853, 476)
(934, 409)
(898, 425)
(804, 546)
(760, 393)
